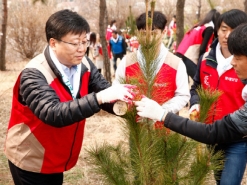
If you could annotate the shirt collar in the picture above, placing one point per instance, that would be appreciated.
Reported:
(115, 40)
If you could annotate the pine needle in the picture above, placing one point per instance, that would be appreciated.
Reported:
(208, 98)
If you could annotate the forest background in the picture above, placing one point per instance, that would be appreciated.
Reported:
(22, 37)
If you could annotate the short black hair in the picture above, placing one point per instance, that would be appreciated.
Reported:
(237, 40)
(63, 22)
(232, 18)
(115, 31)
(159, 20)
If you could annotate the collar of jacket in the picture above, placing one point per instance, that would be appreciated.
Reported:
(51, 63)
(244, 81)
(211, 57)
(54, 68)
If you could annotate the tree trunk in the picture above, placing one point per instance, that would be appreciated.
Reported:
(3, 37)
(245, 6)
(180, 21)
(198, 13)
(102, 31)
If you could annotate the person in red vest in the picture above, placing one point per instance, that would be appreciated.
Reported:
(197, 41)
(172, 89)
(171, 32)
(214, 71)
(230, 130)
(52, 97)
(111, 27)
(134, 44)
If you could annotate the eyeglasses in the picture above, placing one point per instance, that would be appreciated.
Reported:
(77, 45)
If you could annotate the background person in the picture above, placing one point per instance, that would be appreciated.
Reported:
(197, 41)
(118, 47)
(171, 69)
(96, 49)
(215, 72)
(172, 32)
(112, 26)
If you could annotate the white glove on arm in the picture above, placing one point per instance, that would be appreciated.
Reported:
(122, 92)
(194, 107)
(150, 109)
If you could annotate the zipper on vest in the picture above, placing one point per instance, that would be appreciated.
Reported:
(215, 105)
(65, 168)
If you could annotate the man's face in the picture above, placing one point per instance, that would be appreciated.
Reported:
(114, 35)
(70, 49)
(159, 33)
(223, 33)
(239, 64)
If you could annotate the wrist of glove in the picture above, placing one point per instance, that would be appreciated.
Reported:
(194, 112)
(195, 107)
(150, 109)
(116, 92)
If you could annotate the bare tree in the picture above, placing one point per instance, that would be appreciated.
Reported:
(102, 29)
(29, 39)
(180, 20)
(198, 13)
(3, 38)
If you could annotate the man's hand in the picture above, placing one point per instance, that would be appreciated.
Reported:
(116, 92)
(150, 109)
(194, 112)
(194, 107)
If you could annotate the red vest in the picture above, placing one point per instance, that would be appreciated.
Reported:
(134, 44)
(38, 147)
(108, 34)
(229, 84)
(165, 82)
(192, 40)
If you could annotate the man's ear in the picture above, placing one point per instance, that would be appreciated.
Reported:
(52, 42)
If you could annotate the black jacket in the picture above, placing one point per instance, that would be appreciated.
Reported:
(36, 93)
(230, 128)
(211, 58)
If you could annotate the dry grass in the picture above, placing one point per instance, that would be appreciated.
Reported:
(101, 127)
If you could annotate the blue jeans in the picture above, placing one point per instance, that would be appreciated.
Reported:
(235, 163)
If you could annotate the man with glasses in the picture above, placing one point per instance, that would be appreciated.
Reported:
(53, 96)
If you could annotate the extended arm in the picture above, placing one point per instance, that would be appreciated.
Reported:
(221, 131)
(231, 128)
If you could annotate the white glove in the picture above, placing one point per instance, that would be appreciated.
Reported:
(150, 109)
(122, 92)
(194, 107)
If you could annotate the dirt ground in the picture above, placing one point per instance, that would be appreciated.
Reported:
(100, 128)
